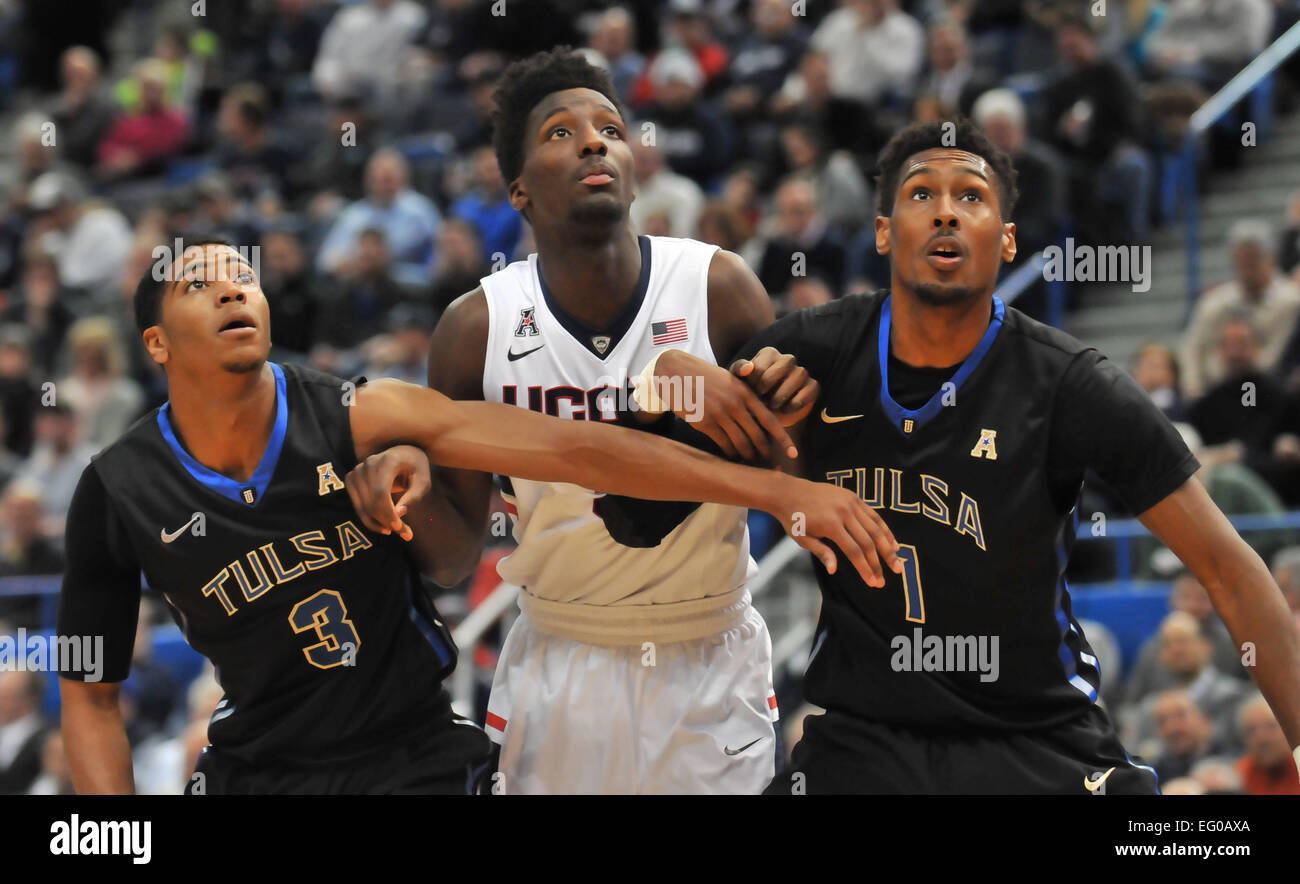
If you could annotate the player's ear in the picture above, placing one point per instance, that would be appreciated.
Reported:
(882, 235)
(518, 197)
(155, 341)
(1008, 242)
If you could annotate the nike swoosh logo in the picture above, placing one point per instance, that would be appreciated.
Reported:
(169, 537)
(1093, 785)
(835, 420)
(512, 355)
(731, 751)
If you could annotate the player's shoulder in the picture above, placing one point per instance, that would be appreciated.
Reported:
(680, 244)
(144, 432)
(1043, 340)
(844, 314)
(311, 378)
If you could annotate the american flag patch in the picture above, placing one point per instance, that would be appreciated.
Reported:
(668, 332)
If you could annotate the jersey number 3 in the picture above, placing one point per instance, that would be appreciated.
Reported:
(325, 613)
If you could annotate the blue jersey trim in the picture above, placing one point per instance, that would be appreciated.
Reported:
(224, 485)
(923, 415)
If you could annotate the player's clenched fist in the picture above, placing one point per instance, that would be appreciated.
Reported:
(720, 405)
(813, 512)
(782, 383)
(384, 485)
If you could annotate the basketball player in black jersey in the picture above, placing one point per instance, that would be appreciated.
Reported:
(969, 427)
(230, 500)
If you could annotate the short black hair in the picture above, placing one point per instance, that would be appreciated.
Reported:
(149, 290)
(525, 83)
(958, 134)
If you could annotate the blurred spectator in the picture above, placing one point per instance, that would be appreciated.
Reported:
(57, 460)
(846, 123)
(84, 111)
(1217, 776)
(1288, 258)
(365, 46)
(335, 162)
(88, 238)
(292, 39)
(1248, 416)
(56, 774)
(408, 220)
(104, 400)
(875, 50)
(1150, 675)
(722, 225)
(1186, 658)
(801, 243)
(37, 152)
(460, 264)
(1208, 40)
(247, 150)
(22, 729)
(219, 210)
(695, 139)
(362, 293)
(138, 142)
(151, 686)
(1092, 117)
(1271, 300)
(1286, 571)
(951, 77)
(403, 352)
(1267, 768)
(1040, 176)
(843, 196)
(24, 551)
(614, 37)
(18, 395)
(43, 307)
(661, 191)
(1155, 368)
(1184, 732)
(1236, 489)
(286, 280)
(688, 31)
(764, 59)
(487, 206)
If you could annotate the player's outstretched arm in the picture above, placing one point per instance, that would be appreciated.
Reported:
(1242, 590)
(492, 437)
(94, 738)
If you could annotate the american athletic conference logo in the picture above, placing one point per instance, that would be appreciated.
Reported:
(527, 327)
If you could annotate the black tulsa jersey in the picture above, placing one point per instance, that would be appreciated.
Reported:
(323, 639)
(980, 486)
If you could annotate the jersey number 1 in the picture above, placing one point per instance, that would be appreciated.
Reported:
(914, 600)
(325, 613)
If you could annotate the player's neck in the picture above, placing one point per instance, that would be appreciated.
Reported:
(224, 422)
(590, 280)
(924, 336)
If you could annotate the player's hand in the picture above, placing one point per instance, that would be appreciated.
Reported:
(815, 513)
(721, 406)
(783, 384)
(384, 485)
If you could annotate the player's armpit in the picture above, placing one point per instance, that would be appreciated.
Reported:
(94, 738)
(1242, 590)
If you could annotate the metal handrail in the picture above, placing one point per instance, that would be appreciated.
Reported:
(1254, 76)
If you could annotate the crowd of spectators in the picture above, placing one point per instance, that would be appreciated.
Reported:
(350, 143)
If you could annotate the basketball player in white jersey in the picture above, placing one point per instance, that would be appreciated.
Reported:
(630, 669)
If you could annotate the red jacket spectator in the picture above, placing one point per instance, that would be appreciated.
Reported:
(147, 136)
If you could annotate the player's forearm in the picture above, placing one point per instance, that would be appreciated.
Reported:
(445, 545)
(1263, 629)
(99, 755)
(515, 442)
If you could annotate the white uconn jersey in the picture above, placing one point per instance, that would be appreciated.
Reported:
(540, 358)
